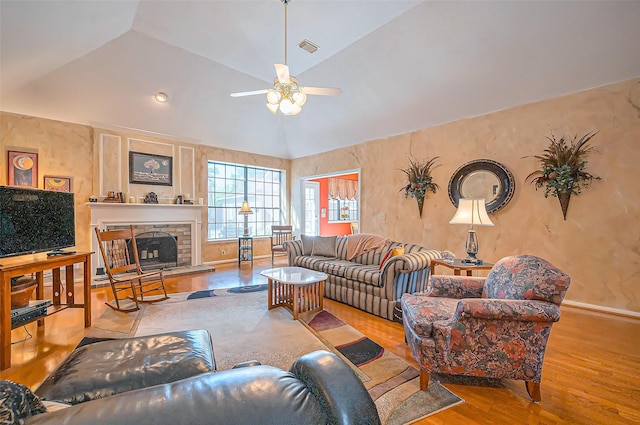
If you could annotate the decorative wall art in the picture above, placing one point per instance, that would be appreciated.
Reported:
(419, 180)
(563, 168)
(145, 168)
(59, 184)
(23, 169)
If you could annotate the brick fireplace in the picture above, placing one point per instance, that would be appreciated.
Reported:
(181, 223)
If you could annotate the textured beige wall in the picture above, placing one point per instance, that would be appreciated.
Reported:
(64, 149)
(598, 245)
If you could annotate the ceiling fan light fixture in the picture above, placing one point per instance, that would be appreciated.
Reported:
(273, 96)
(272, 107)
(286, 106)
(295, 109)
(286, 95)
(300, 97)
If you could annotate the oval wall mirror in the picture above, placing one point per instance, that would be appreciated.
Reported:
(482, 178)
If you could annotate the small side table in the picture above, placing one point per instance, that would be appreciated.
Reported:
(245, 249)
(457, 265)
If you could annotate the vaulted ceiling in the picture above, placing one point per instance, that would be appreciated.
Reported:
(402, 65)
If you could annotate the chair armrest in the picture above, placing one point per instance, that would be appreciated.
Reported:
(337, 387)
(518, 310)
(456, 286)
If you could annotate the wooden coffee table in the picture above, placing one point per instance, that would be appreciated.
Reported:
(300, 289)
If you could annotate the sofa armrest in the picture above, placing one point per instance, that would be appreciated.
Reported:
(411, 262)
(407, 273)
(517, 310)
(294, 249)
(456, 286)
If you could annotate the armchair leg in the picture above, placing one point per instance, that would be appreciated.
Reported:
(424, 380)
(533, 389)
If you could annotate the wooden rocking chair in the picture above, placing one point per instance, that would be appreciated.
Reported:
(128, 282)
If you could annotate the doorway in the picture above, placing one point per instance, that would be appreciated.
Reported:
(311, 205)
(330, 203)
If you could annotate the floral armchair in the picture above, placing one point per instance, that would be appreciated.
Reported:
(495, 327)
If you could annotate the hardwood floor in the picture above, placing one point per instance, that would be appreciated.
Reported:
(590, 375)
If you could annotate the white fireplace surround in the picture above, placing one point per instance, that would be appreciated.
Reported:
(105, 214)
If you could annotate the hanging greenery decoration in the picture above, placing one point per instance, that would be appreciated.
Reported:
(420, 180)
(563, 168)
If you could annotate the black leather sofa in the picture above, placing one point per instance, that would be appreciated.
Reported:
(319, 388)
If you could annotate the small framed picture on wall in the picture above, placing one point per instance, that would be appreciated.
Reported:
(23, 169)
(59, 184)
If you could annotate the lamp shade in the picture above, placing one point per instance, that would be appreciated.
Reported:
(471, 211)
(245, 208)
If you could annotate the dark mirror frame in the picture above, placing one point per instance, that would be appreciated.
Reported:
(507, 183)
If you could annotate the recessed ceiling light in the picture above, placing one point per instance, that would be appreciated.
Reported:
(161, 97)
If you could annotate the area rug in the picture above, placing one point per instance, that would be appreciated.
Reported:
(393, 384)
(242, 328)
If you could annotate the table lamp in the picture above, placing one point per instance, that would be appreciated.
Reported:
(245, 210)
(474, 212)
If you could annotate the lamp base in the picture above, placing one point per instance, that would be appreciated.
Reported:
(474, 261)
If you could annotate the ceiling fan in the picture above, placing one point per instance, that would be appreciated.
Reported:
(286, 95)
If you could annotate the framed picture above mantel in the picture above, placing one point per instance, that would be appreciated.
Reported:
(146, 168)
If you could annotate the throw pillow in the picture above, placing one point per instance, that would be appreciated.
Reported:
(325, 246)
(307, 244)
(17, 402)
(393, 252)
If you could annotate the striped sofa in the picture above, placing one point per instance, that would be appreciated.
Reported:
(360, 282)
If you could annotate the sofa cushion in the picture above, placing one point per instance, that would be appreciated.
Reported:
(361, 273)
(307, 244)
(322, 264)
(420, 311)
(111, 367)
(324, 246)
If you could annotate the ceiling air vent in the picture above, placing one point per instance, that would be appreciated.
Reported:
(308, 46)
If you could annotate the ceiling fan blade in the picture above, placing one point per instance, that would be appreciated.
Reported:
(283, 73)
(323, 91)
(248, 93)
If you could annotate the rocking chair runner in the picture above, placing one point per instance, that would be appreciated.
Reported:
(122, 264)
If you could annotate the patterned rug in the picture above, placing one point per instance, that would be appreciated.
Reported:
(242, 329)
(393, 384)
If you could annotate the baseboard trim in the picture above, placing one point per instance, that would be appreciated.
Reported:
(233, 260)
(601, 309)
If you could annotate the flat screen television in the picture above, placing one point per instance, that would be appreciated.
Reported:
(33, 220)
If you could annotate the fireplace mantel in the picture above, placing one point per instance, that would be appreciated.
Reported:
(104, 214)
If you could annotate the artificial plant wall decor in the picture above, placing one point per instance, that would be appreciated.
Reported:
(563, 168)
(420, 180)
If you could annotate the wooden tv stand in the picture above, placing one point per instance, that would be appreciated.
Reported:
(38, 263)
